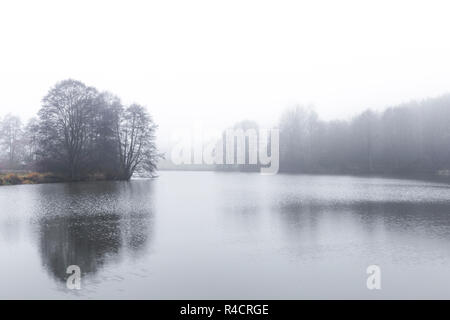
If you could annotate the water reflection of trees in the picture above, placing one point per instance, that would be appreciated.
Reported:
(117, 222)
(372, 218)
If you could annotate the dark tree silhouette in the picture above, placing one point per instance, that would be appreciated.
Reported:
(136, 135)
(84, 132)
(65, 115)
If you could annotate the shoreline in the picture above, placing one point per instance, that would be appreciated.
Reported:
(14, 179)
(32, 178)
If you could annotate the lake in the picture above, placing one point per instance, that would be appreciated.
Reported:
(206, 235)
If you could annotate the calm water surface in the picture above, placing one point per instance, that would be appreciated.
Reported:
(204, 235)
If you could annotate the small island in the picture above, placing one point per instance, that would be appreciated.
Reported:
(80, 134)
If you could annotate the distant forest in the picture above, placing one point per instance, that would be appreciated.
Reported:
(412, 138)
(81, 133)
(409, 139)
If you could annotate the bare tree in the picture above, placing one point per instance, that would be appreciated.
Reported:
(11, 139)
(136, 135)
(65, 115)
(298, 128)
(30, 141)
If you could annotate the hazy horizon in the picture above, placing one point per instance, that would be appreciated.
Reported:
(221, 63)
(267, 118)
(240, 149)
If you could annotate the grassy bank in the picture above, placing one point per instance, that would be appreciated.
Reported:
(29, 178)
(9, 179)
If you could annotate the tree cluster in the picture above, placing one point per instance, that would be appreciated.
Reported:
(413, 138)
(81, 132)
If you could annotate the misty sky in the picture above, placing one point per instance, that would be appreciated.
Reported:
(218, 62)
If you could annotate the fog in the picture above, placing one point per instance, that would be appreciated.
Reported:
(224, 150)
(224, 62)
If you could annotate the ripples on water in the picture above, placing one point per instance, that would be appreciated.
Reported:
(226, 235)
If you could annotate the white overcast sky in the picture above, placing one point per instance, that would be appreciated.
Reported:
(218, 62)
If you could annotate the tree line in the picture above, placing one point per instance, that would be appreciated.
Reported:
(80, 132)
(408, 139)
(412, 138)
